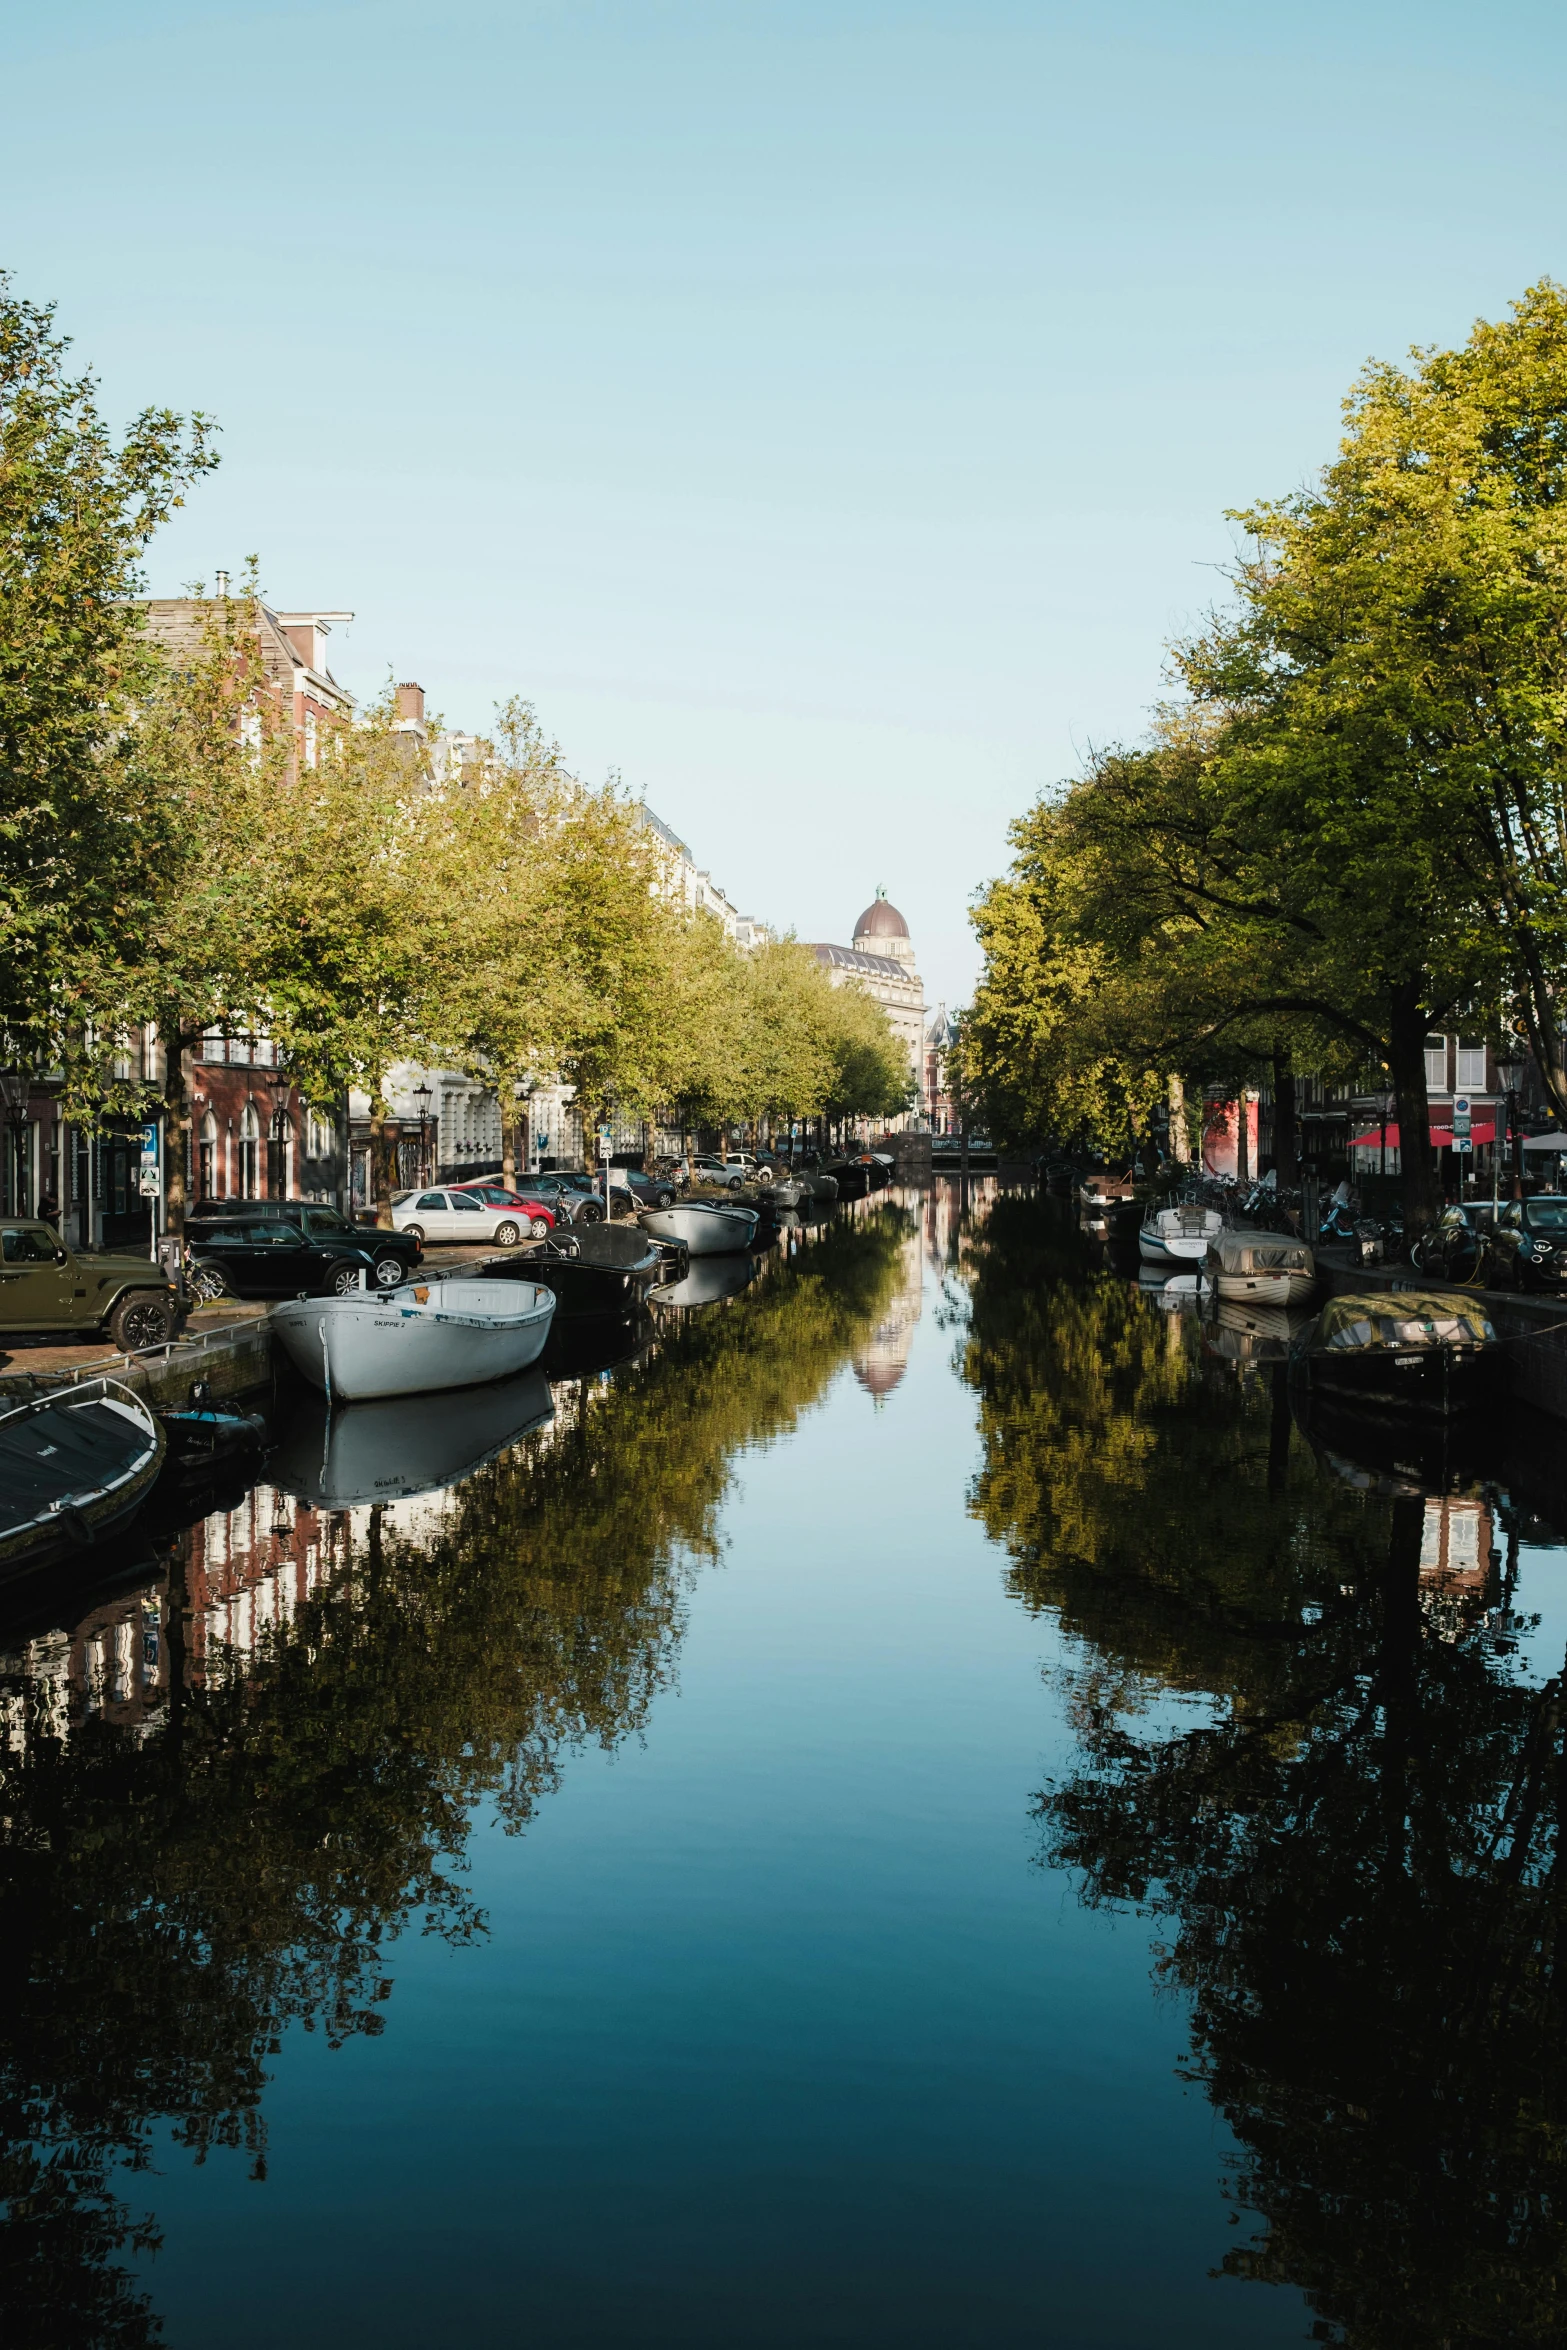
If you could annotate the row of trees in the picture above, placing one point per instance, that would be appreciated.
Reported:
(167, 862)
(1351, 826)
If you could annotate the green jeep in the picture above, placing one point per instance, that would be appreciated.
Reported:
(46, 1286)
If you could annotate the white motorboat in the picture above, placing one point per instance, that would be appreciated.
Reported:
(1178, 1235)
(1262, 1268)
(707, 1283)
(703, 1227)
(425, 1335)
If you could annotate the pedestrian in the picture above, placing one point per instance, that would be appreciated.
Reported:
(48, 1206)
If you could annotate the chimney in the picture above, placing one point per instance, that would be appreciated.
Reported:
(223, 585)
(410, 703)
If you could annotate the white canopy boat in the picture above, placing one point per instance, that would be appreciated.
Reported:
(1262, 1268)
(704, 1228)
(1178, 1235)
(425, 1335)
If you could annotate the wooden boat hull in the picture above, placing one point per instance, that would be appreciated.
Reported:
(703, 1229)
(1282, 1288)
(417, 1339)
(75, 1467)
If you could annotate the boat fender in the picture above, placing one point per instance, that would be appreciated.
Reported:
(76, 1525)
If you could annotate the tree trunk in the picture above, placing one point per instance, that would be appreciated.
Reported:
(381, 1148)
(509, 1140)
(1407, 1067)
(176, 1129)
(1286, 1131)
(1180, 1139)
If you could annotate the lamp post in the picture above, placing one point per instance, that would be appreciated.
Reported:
(1509, 1075)
(279, 1085)
(15, 1085)
(423, 1096)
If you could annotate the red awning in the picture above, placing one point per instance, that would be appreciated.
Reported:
(1482, 1130)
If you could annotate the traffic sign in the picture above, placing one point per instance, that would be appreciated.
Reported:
(1460, 1116)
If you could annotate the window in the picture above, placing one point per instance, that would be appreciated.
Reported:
(310, 738)
(26, 1248)
(433, 1199)
(464, 1199)
(207, 1156)
(250, 731)
(318, 1136)
(1436, 1064)
(1471, 1064)
(249, 1153)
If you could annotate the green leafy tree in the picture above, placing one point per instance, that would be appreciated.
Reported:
(77, 509)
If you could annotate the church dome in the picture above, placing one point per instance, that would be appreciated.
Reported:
(881, 919)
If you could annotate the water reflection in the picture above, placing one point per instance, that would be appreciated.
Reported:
(1356, 1844)
(229, 1789)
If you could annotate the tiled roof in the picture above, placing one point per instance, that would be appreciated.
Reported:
(854, 959)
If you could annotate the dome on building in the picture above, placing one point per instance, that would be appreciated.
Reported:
(881, 919)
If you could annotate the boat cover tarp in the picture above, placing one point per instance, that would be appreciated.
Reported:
(64, 1449)
(1403, 1317)
(1260, 1252)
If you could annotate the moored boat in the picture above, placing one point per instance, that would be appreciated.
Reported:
(1261, 1268)
(597, 1268)
(423, 1336)
(75, 1465)
(787, 1192)
(1104, 1202)
(704, 1228)
(1424, 1351)
(1178, 1235)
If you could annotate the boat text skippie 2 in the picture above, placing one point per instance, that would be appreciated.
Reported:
(406, 1341)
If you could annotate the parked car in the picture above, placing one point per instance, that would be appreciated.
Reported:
(248, 1255)
(732, 1169)
(1455, 1246)
(46, 1286)
(394, 1255)
(450, 1214)
(651, 1191)
(579, 1199)
(539, 1218)
(1528, 1248)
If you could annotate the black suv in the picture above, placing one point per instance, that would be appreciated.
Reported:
(276, 1256)
(1529, 1245)
(395, 1255)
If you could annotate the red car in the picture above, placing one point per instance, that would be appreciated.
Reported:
(541, 1220)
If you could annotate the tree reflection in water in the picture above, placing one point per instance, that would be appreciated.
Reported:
(1357, 1847)
(179, 1891)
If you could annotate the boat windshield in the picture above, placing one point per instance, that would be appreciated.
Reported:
(1403, 1319)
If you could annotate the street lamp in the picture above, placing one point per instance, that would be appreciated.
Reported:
(423, 1096)
(15, 1085)
(1509, 1075)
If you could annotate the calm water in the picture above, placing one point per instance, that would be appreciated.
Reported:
(915, 1809)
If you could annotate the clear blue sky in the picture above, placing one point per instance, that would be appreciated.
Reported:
(824, 412)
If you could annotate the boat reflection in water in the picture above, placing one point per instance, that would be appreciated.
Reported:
(404, 1445)
(1253, 1334)
(584, 1345)
(709, 1281)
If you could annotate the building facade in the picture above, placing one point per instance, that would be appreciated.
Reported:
(881, 961)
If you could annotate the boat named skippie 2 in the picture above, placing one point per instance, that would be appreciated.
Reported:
(410, 1341)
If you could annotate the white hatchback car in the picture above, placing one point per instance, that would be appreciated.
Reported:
(457, 1215)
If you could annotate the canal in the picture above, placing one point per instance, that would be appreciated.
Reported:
(915, 1807)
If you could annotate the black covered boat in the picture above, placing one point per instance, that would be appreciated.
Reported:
(1424, 1351)
(598, 1268)
(75, 1465)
